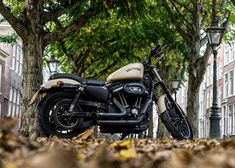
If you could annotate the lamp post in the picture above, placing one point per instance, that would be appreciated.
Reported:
(215, 34)
(175, 86)
(53, 64)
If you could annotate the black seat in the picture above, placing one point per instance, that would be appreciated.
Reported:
(64, 75)
(95, 82)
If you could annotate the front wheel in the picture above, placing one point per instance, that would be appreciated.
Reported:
(178, 127)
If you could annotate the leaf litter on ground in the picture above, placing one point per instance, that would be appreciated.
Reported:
(86, 151)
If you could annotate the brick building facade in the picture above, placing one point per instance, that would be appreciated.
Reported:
(11, 61)
(225, 92)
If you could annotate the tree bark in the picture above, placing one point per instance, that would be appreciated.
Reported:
(32, 70)
(193, 103)
(161, 130)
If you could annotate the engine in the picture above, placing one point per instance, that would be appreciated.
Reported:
(131, 96)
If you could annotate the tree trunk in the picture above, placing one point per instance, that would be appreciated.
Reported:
(196, 71)
(161, 130)
(32, 79)
(193, 103)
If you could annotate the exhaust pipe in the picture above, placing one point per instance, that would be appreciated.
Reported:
(126, 122)
(109, 115)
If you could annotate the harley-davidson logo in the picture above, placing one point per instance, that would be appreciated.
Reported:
(133, 68)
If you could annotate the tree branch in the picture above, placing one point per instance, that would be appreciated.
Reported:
(17, 25)
(201, 63)
(225, 23)
(54, 14)
(51, 37)
(233, 2)
(184, 5)
(185, 36)
(180, 14)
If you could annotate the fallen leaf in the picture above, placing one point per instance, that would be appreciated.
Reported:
(9, 165)
(127, 154)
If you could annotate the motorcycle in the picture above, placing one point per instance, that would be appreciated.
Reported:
(123, 103)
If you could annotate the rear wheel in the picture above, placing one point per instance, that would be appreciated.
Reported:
(51, 118)
(178, 127)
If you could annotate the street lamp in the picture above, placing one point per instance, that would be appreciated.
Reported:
(53, 64)
(215, 34)
(175, 86)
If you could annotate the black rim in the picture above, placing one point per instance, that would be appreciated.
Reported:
(54, 127)
(181, 124)
(63, 117)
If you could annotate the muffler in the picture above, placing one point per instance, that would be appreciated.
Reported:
(127, 122)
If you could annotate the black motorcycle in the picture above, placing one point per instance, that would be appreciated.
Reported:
(123, 103)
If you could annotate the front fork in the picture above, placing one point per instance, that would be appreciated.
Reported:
(161, 101)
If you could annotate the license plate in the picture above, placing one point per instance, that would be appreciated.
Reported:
(33, 99)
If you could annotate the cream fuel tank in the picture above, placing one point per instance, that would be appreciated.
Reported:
(134, 71)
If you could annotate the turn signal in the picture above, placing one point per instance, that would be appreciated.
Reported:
(59, 83)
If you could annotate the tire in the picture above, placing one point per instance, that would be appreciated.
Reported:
(45, 120)
(179, 128)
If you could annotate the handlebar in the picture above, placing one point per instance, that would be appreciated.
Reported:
(157, 51)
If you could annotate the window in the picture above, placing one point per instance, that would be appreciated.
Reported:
(17, 59)
(219, 96)
(207, 100)
(14, 103)
(222, 120)
(21, 63)
(13, 62)
(225, 120)
(230, 52)
(220, 71)
(225, 85)
(226, 54)
(211, 74)
(10, 102)
(211, 94)
(231, 119)
(207, 76)
(231, 83)
(18, 104)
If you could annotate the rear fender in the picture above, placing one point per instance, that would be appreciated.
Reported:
(55, 83)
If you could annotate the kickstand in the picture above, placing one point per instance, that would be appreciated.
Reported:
(124, 135)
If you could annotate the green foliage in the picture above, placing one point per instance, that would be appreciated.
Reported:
(114, 38)
(15, 6)
(230, 35)
(8, 38)
(113, 41)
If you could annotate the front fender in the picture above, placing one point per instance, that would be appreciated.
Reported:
(161, 104)
(50, 84)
